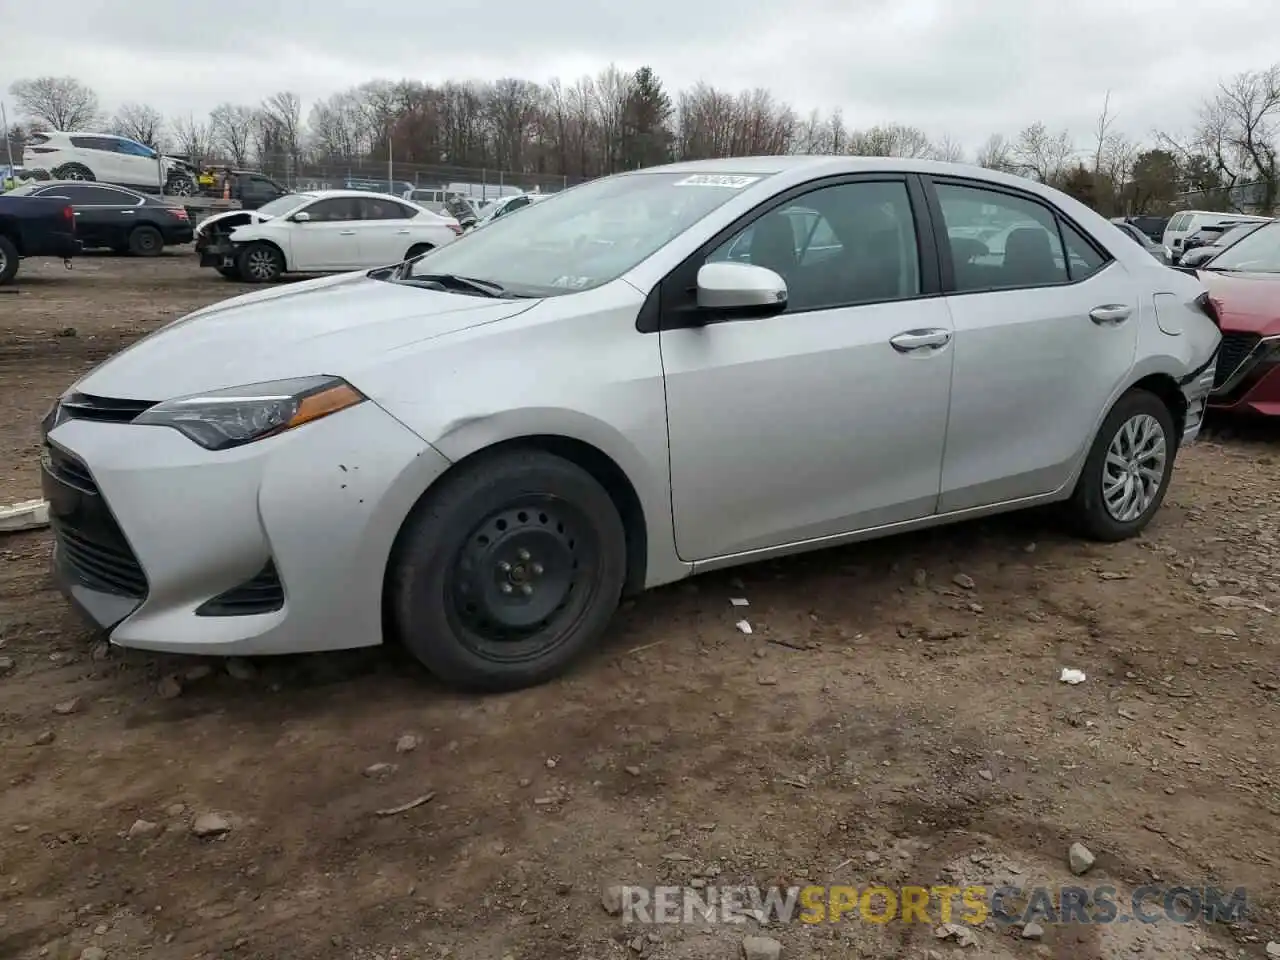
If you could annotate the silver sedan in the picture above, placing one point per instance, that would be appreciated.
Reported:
(478, 452)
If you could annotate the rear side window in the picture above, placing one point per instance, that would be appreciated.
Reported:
(1083, 260)
(92, 143)
(37, 139)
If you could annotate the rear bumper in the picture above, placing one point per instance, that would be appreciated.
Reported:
(1248, 378)
(178, 235)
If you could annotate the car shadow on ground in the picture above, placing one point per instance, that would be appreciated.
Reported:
(300, 684)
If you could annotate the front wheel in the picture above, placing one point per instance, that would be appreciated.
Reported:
(417, 250)
(1128, 469)
(260, 263)
(508, 572)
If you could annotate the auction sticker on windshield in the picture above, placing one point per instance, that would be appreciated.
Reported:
(716, 180)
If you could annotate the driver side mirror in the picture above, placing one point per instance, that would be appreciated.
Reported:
(302, 217)
(741, 289)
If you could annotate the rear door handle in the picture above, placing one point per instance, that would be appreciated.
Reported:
(911, 340)
(1110, 314)
(402, 233)
(346, 233)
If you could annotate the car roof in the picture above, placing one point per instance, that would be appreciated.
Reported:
(328, 194)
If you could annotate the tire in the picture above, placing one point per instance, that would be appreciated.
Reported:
(259, 263)
(417, 250)
(1138, 414)
(8, 260)
(508, 572)
(73, 171)
(180, 186)
(229, 273)
(145, 241)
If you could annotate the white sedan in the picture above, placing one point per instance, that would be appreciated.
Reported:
(320, 231)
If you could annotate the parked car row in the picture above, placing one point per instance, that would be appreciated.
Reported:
(306, 467)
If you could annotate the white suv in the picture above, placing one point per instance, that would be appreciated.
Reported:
(107, 158)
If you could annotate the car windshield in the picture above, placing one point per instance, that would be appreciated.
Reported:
(1259, 252)
(282, 205)
(1234, 233)
(586, 236)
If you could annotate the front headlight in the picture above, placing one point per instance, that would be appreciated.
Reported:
(229, 418)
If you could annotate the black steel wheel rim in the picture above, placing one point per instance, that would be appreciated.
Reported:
(522, 578)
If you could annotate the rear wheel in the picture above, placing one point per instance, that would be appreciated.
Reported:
(260, 263)
(73, 171)
(145, 241)
(1128, 469)
(8, 259)
(508, 572)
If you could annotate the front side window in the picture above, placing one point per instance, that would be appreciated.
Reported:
(334, 209)
(588, 235)
(837, 246)
(1259, 252)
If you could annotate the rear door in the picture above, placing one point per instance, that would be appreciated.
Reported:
(1045, 335)
(384, 231)
(104, 214)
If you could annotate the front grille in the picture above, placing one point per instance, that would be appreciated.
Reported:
(1235, 347)
(264, 593)
(91, 547)
(83, 406)
(100, 566)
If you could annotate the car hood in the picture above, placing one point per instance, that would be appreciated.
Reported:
(253, 217)
(336, 325)
(1246, 302)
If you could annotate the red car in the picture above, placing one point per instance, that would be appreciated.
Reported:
(1244, 288)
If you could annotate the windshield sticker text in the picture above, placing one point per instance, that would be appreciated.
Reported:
(573, 283)
(716, 180)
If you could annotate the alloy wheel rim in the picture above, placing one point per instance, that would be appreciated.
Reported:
(261, 264)
(1134, 468)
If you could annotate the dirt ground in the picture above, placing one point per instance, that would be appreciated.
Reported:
(895, 717)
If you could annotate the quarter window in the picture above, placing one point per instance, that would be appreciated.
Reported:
(837, 246)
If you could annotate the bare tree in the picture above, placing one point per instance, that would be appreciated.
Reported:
(949, 150)
(1043, 155)
(140, 122)
(892, 140)
(1102, 132)
(231, 126)
(194, 139)
(58, 103)
(996, 154)
(282, 114)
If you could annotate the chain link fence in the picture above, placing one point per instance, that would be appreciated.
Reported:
(395, 178)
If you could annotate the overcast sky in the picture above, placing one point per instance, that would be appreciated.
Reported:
(965, 69)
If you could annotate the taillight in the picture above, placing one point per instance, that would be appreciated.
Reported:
(179, 213)
(69, 215)
(1210, 309)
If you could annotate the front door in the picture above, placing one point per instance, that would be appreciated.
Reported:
(1046, 327)
(829, 417)
(328, 240)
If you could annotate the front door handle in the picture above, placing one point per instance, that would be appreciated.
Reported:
(912, 340)
(1110, 314)
(346, 233)
(402, 233)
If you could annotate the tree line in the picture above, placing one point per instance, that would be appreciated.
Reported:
(622, 120)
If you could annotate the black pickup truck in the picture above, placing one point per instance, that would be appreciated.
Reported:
(34, 227)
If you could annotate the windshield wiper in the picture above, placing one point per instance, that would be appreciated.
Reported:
(451, 281)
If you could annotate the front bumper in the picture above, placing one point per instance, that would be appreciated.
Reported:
(216, 251)
(153, 533)
(1248, 379)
